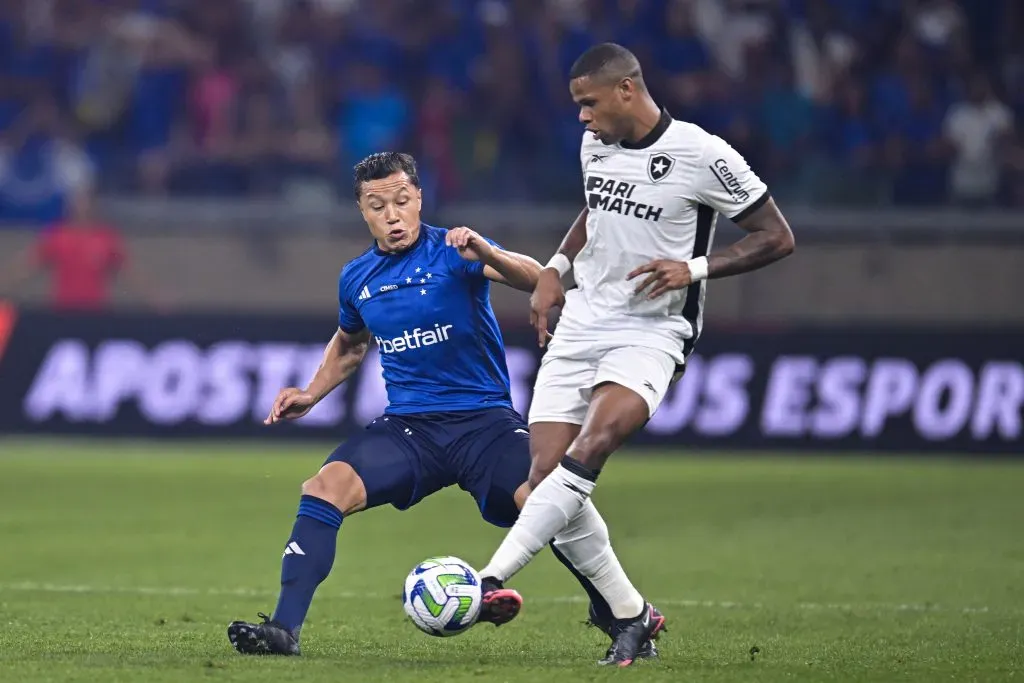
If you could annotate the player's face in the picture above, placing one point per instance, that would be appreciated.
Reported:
(391, 207)
(603, 107)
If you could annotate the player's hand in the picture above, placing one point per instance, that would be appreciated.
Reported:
(290, 404)
(470, 244)
(548, 294)
(664, 275)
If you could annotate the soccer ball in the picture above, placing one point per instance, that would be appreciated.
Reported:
(442, 596)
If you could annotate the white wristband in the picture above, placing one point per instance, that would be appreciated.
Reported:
(698, 268)
(561, 263)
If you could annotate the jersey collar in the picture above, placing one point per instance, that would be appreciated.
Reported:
(659, 129)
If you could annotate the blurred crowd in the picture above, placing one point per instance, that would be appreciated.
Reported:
(844, 102)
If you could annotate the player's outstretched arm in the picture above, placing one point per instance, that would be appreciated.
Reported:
(343, 355)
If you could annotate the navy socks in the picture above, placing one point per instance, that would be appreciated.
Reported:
(307, 561)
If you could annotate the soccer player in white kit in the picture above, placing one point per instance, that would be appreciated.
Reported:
(640, 255)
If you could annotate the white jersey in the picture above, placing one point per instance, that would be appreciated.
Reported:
(655, 199)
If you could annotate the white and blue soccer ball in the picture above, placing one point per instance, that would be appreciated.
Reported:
(442, 596)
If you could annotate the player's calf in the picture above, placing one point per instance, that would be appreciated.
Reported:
(306, 561)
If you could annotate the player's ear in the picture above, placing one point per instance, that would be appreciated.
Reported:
(626, 88)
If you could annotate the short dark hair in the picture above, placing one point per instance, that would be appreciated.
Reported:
(381, 165)
(608, 61)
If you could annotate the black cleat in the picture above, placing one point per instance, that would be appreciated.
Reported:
(649, 650)
(629, 636)
(500, 604)
(268, 638)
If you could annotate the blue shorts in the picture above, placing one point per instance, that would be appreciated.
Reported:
(402, 459)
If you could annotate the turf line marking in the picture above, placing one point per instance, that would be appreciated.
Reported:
(171, 591)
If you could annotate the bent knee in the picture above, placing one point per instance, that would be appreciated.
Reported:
(339, 485)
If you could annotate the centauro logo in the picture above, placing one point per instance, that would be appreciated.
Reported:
(414, 339)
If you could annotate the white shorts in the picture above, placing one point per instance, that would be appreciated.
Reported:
(569, 372)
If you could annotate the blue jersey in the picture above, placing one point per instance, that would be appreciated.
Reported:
(429, 310)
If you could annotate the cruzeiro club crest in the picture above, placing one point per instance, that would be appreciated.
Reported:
(659, 166)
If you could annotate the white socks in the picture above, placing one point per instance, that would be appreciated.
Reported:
(558, 499)
(585, 543)
(560, 509)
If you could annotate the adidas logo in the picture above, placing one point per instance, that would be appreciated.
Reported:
(365, 294)
(293, 549)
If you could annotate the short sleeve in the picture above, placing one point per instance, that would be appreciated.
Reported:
(465, 266)
(726, 183)
(349, 319)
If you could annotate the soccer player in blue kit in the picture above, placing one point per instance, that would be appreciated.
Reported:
(424, 292)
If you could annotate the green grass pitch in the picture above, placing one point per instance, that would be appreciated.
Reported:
(125, 562)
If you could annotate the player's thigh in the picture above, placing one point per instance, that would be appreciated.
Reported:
(389, 467)
(563, 376)
(630, 384)
(497, 476)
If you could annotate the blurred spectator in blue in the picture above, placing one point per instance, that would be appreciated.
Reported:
(373, 113)
(890, 88)
(916, 150)
(28, 64)
(849, 133)
(510, 134)
(851, 144)
(786, 119)
(183, 96)
(719, 110)
(258, 152)
(680, 50)
(43, 173)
